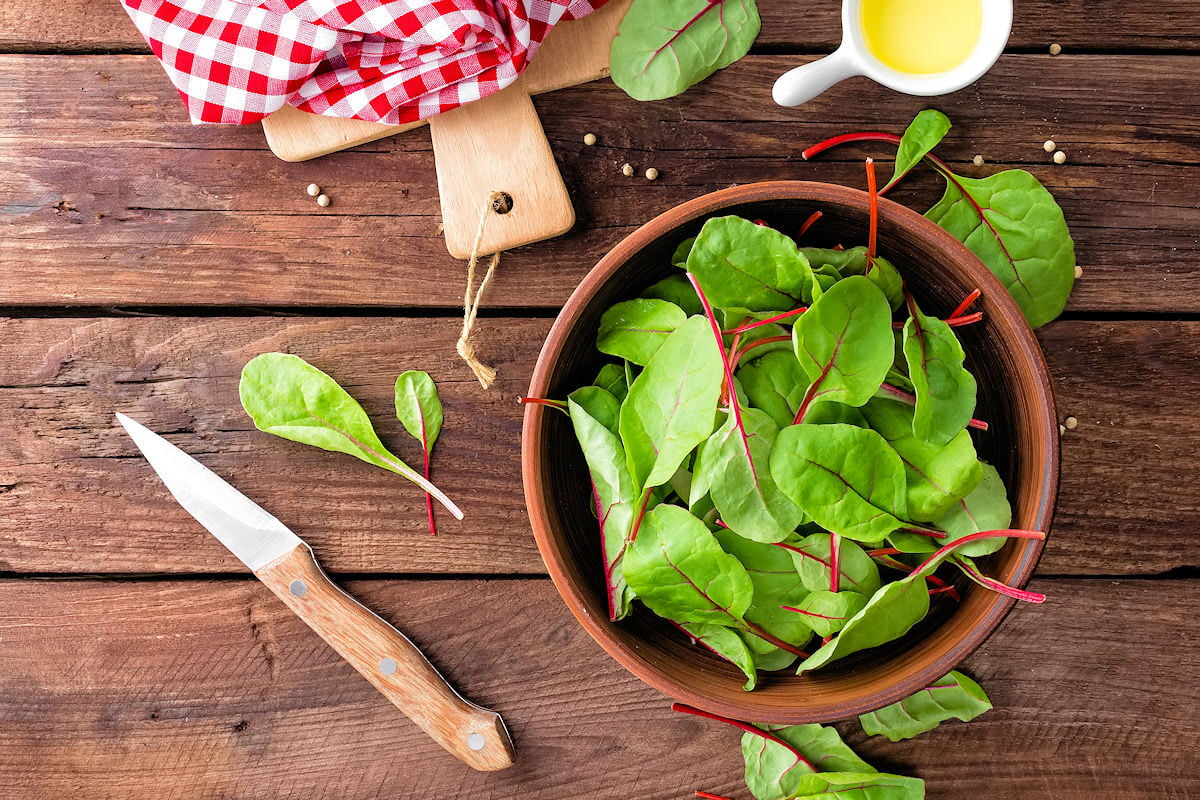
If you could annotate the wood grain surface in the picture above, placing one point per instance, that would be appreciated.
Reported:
(181, 689)
(114, 199)
(81, 26)
(67, 465)
(143, 261)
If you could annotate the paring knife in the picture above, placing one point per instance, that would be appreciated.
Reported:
(281, 560)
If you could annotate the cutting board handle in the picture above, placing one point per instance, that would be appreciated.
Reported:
(497, 145)
(392, 663)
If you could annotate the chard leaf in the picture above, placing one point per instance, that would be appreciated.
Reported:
(858, 572)
(773, 772)
(945, 389)
(613, 489)
(937, 477)
(846, 478)
(828, 612)
(743, 265)
(767, 656)
(292, 399)
(889, 614)
(672, 405)
(844, 342)
(418, 407)
(665, 46)
(737, 463)
(1017, 229)
(635, 329)
(675, 288)
(954, 696)
(677, 568)
(612, 379)
(775, 384)
(776, 584)
(923, 134)
(858, 786)
(679, 259)
(727, 644)
(854, 261)
(986, 508)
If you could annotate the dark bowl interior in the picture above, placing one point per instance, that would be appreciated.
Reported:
(1014, 396)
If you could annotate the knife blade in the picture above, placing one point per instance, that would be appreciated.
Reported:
(287, 566)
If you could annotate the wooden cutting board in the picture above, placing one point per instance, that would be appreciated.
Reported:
(492, 145)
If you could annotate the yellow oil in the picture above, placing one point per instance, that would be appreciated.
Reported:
(921, 37)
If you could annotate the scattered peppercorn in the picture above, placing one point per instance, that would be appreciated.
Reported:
(313, 190)
(1062, 429)
(1055, 49)
(1049, 146)
(589, 139)
(1071, 423)
(1060, 157)
(627, 170)
(1078, 271)
(977, 160)
(652, 174)
(323, 200)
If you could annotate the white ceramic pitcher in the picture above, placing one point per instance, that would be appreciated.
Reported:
(853, 58)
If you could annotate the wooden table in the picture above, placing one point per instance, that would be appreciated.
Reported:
(144, 261)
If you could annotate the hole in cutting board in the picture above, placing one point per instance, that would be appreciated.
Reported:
(502, 203)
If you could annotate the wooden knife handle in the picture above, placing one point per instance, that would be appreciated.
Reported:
(392, 663)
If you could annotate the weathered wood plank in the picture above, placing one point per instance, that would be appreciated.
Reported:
(114, 199)
(77, 25)
(185, 689)
(76, 498)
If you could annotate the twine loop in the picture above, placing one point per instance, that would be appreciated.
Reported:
(465, 348)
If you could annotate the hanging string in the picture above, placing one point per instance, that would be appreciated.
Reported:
(482, 371)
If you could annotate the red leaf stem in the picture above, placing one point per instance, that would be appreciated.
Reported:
(966, 303)
(808, 223)
(911, 399)
(711, 796)
(835, 571)
(873, 199)
(1006, 533)
(748, 728)
(998, 586)
(749, 326)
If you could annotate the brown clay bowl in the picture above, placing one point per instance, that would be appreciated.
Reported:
(1014, 396)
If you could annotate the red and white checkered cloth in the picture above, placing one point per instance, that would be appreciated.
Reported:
(393, 62)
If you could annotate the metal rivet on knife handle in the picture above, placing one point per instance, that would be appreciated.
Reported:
(476, 741)
(297, 587)
(388, 666)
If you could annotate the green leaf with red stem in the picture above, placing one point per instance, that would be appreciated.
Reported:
(743, 265)
(635, 329)
(844, 344)
(924, 133)
(726, 644)
(985, 508)
(420, 412)
(678, 569)
(846, 478)
(954, 696)
(858, 786)
(773, 772)
(593, 412)
(812, 559)
(828, 612)
(665, 46)
(944, 388)
(776, 384)
(776, 583)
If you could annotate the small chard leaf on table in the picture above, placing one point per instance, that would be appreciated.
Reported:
(924, 133)
(635, 329)
(290, 398)
(937, 477)
(775, 384)
(672, 405)
(740, 482)
(986, 508)
(857, 570)
(419, 410)
(944, 388)
(889, 614)
(828, 612)
(665, 46)
(773, 771)
(858, 786)
(1017, 229)
(844, 343)
(743, 265)
(776, 584)
(593, 414)
(846, 478)
(727, 644)
(678, 569)
(954, 696)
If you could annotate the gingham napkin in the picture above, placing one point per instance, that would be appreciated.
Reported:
(393, 62)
